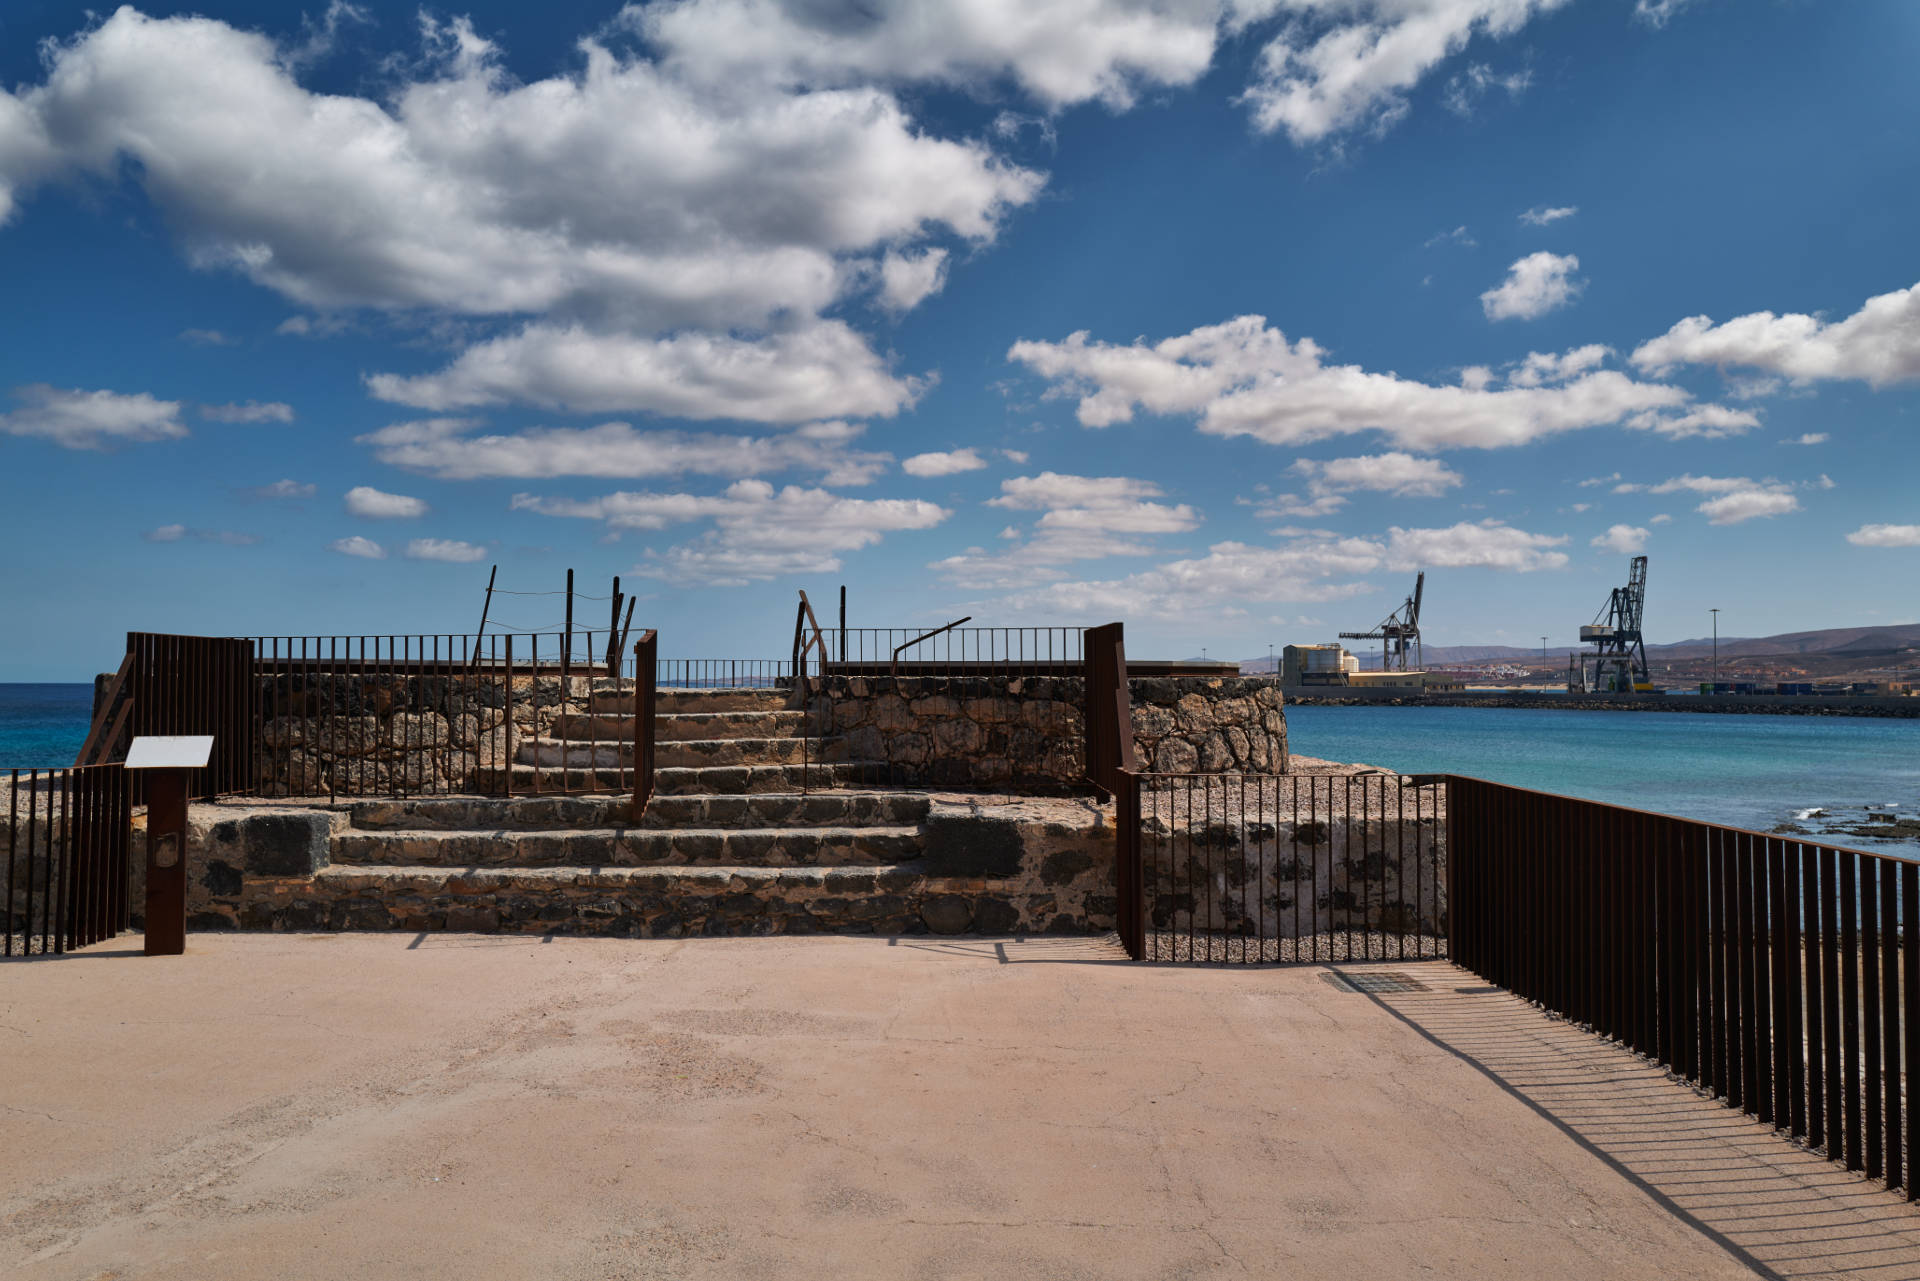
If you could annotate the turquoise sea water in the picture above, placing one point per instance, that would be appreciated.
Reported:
(43, 725)
(1746, 771)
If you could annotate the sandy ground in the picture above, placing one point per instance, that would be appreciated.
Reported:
(433, 1106)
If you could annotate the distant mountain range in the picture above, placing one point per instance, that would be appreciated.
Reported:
(1863, 642)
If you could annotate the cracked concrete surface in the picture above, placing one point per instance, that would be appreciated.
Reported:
(498, 1106)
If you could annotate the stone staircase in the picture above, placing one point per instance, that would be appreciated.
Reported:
(730, 843)
(714, 742)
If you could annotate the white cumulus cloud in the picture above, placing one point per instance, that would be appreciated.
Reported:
(824, 370)
(365, 548)
(1488, 544)
(1535, 285)
(374, 504)
(450, 449)
(1241, 378)
(627, 201)
(447, 549)
(1311, 566)
(757, 532)
(1878, 344)
(1734, 498)
(1329, 481)
(1628, 540)
(78, 419)
(946, 463)
(1546, 215)
(907, 280)
(1082, 518)
(1885, 536)
(1347, 67)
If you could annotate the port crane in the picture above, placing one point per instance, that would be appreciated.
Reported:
(1617, 663)
(1397, 631)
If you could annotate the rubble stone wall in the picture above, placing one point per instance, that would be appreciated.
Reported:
(1027, 733)
(380, 733)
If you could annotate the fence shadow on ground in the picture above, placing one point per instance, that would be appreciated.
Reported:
(1050, 950)
(1777, 1207)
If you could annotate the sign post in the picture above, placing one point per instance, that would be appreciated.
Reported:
(169, 761)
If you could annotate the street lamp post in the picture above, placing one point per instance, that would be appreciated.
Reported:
(1716, 645)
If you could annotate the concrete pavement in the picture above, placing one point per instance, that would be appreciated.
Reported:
(386, 1105)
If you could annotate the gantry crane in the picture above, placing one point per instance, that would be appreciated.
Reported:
(1617, 663)
(1398, 630)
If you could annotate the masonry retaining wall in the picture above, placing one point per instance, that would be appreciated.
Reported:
(1028, 733)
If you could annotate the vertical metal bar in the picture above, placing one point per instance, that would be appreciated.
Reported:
(1813, 945)
(509, 731)
(13, 852)
(1719, 953)
(1849, 905)
(1763, 1043)
(1910, 1020)
(1788, 1032)
(1749, 1043)
(1832, 948)
(1870, 1014)
(1890, 1013)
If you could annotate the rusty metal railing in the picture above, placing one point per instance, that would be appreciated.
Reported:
(1252, 868)
(953, 651)
(195, 685)
(443, 713)
(68, 833)
(1781, 975)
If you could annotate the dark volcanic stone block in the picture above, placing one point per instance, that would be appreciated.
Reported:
(965, 845)
(285, 844)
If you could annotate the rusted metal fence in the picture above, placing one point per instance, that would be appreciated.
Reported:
(724, 673)
(1782, 975)
(954, 652)
(196, 685)
(67, 834)
(1252, 868)
(408, 715)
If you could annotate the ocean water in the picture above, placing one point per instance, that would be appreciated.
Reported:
(1750, 771)
(1747, 771)
(43, 725)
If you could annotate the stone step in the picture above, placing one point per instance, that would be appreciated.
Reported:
(721, 780)
(691, 810)
(685, 754)
(676, 701)
(677, 727)
(611, 847)
(750, 780)
(632, 902)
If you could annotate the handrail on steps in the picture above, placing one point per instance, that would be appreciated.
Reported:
(895, 668)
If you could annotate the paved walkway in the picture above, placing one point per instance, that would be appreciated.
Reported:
(445, 1105)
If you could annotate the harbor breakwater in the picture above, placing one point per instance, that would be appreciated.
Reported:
(1765, 704)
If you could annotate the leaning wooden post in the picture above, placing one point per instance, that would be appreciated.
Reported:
(645, 658)
(613, 632)
(566, 654)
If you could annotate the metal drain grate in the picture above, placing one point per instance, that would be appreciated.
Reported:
(1377, 981)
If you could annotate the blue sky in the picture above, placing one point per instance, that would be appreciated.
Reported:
(1222, 317)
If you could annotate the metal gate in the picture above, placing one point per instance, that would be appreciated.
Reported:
(1257, 868)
